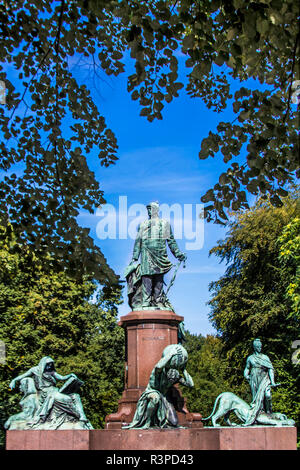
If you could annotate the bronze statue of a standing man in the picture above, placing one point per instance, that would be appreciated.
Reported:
(151, 247)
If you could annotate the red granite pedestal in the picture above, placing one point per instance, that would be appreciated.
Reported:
(237, 438)
(147, 333)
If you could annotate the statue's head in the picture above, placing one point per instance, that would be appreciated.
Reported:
(257, 345)
(153, 209)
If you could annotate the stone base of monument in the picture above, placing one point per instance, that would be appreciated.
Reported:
(237, 438)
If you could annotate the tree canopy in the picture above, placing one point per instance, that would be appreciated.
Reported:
(209, 370)
(51, 126)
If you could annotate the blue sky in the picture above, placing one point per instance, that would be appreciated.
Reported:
(159, 161)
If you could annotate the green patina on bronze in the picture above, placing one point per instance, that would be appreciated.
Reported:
(44, 405)
(157, 405)
(145, 279)
(259, 372)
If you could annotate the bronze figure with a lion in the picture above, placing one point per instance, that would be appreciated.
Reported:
(260, 374)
